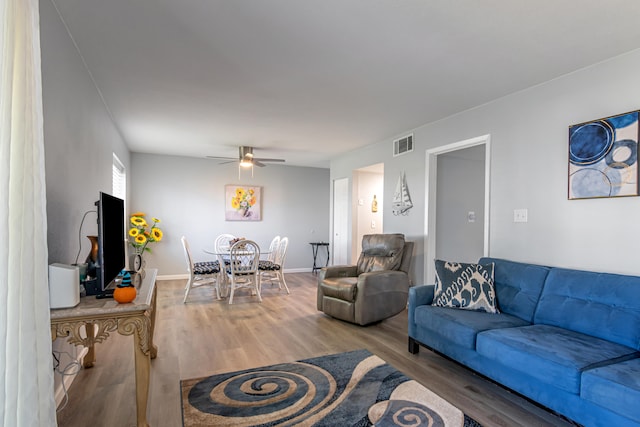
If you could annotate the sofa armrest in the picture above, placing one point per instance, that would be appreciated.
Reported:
(418, 295)
(383, 281)
(421, 295)
(337, 271)
(329, 272)
(380, 294)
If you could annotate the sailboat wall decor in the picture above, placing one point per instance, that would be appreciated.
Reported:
(401, 198)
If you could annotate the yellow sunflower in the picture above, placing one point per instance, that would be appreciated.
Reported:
(235, 203)
(138, 221)
(240, 192)
(141, 233)
(156, 233)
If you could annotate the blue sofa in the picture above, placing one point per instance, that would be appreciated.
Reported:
(567, 339)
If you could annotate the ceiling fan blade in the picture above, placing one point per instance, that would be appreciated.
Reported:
(221, 158)
(257, 163)
(268, 160)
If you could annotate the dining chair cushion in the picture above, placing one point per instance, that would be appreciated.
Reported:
(208, 267)
(265, 265)
(238, 273)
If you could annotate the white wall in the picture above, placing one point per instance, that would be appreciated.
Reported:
(79, 140)
(187, 194)
(529, 170)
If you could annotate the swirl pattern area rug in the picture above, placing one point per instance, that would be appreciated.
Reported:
(348, 389)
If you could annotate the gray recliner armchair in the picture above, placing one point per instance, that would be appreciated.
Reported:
(374, 289)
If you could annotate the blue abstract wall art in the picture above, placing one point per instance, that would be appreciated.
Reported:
(603, 157)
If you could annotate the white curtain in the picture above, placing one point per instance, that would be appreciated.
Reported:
(26, 369)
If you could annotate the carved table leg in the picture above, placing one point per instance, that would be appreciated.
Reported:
(153, 349)
(90, 358)
(143, 368)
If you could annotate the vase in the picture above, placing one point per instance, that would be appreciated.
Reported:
(136, 263)
(92, 258)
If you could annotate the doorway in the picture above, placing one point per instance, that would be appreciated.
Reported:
(367, 215)
(340, 221)
(457, 203)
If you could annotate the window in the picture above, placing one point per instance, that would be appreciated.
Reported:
(119, 179)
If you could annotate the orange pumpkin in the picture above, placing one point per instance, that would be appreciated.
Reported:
(125, 294)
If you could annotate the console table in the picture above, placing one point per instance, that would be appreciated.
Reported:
(136, 318)
(314, 248)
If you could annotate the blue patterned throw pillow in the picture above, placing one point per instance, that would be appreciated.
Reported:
(466, 286)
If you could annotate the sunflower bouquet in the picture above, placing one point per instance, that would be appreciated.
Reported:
(142, 234)
(243, 200)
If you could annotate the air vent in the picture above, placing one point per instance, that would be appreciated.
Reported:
(403, 145)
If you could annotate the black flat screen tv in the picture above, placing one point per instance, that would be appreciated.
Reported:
(111, 238)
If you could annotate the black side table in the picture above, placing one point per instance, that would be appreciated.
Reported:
(314, 248)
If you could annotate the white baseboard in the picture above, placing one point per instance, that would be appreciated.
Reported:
(298, 270)
(172, 277)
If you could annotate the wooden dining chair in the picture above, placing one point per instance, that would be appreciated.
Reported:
(200, 273)
(242, 270)
(222, 243)
(273, 248)
(273, 271)
(265, 263)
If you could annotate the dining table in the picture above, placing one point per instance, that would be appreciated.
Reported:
(223, 258)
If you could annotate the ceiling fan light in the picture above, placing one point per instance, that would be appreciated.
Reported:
(246, 163)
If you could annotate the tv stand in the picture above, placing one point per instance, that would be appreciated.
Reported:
(136, 318)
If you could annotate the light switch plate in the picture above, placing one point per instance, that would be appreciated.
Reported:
(520, 215)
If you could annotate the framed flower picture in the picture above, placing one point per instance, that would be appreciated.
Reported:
(242, 203)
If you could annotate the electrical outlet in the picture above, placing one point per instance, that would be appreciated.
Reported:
(471, 216)
(520, 215)
(373, 224)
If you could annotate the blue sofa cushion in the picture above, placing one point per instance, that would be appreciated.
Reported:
(550, 354)
(615, 387)
(466, 286)
(599, 304)
(518, 286)
(462, 326)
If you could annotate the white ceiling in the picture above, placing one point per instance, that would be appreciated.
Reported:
(307, 80)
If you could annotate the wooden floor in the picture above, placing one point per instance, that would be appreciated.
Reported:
(206, 337)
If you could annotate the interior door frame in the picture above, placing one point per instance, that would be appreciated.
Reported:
(340, 229)
(431, 185)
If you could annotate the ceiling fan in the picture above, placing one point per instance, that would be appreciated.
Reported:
(246, 159)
